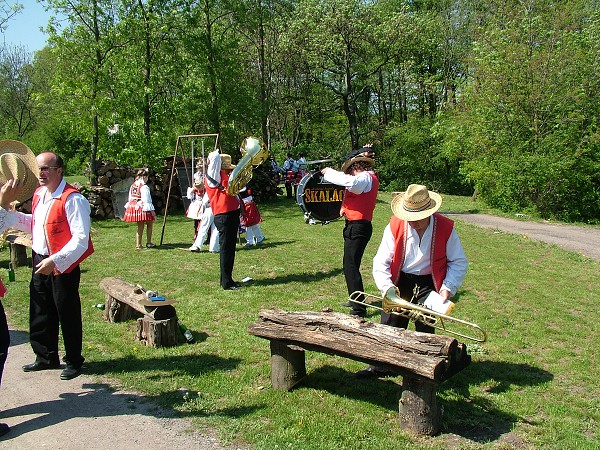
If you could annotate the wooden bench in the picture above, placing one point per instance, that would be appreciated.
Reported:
(157, 324)
(424, 360)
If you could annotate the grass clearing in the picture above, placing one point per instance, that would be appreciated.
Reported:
(532, 385)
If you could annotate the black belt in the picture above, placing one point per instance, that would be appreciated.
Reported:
(414, 276)
(364, 221)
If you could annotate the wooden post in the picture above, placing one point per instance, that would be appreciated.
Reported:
(288, 365)
(419, 411)
(18, 255)
(157, 333)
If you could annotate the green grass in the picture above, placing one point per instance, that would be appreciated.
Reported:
(532, 385)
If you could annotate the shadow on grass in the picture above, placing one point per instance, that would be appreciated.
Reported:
(472, 417)
(298, 277)
(475, 417)
(184, 365)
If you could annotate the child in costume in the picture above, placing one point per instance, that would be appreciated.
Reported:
(140, 209)
(251, 219)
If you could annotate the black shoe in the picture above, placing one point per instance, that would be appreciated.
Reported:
(362, 314)
(4, 429)
(233, 287)
(70, 372)
(36, 366)
(373, 372)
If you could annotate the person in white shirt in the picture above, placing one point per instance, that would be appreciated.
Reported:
(420, 252)
(206, 226)
(60, 227)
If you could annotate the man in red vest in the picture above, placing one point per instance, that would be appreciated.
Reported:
(358, 205)
(60, 227)
(226, 209)
(420, 252)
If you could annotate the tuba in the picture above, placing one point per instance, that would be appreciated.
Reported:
(254, 152)
(392, 303)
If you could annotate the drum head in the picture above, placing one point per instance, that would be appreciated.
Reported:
(319, 199)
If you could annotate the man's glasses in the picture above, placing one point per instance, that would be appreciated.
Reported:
(47, 168)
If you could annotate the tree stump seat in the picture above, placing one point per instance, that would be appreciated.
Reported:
(156, 321)
(424, 360)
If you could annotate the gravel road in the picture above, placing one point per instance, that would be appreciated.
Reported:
(584, 240)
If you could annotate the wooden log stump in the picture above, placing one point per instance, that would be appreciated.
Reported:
(419, 410)
(157, 333)
(288, 365)
(18, 255)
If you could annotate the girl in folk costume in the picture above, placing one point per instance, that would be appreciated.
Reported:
(251, 219)
(140, 209)
(195, 194)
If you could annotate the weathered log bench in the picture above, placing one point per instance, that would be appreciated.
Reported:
(156, 320)
(424, 360)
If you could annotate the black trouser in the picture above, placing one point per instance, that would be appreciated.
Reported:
(228, 225)
(53, 301)
(413, 288)
(357, 234)
(4, 340)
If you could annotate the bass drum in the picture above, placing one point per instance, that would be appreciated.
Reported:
(319, 200)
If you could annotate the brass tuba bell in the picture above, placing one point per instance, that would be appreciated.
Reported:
(254, 152)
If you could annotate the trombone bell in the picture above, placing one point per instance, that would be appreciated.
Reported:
(392, 303)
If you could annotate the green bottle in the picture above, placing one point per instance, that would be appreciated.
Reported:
(11, 272)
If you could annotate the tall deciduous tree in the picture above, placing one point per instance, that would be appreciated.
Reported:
(84, 47)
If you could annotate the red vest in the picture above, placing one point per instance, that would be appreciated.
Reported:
(56, 228)
(361, 206)
(442, 228)
(220, 201)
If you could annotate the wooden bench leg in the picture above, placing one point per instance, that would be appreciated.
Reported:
(288, 365)
(157, 333)
(420, 413)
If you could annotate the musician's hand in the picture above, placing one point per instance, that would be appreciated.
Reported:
(9, 192)
(324, 169)
(45, 267)
(445, 295)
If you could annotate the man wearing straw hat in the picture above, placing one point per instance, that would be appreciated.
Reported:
(420, 252)
(60, 227)
(226, 209)
(358, 205)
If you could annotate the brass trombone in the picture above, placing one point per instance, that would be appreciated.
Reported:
(392, 303)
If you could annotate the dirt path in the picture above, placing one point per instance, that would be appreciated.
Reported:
(584, 240)
(46, 412)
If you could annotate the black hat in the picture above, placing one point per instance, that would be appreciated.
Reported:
(365, 154)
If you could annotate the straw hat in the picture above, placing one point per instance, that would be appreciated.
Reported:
(17, 162)
(361, 154)
(416, 203)
(226, 162)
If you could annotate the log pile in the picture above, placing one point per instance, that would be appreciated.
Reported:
(101, 195)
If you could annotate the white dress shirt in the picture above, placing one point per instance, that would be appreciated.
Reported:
(357, 184)
(417, 259)
(78, 212)
(214, 168)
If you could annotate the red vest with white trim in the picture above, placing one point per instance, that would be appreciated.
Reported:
(56, 229)
(442, 228)
(361, 206)
(220, 201)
